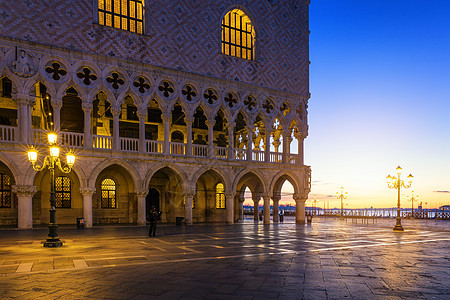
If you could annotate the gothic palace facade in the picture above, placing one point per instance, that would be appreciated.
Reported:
(178, 104)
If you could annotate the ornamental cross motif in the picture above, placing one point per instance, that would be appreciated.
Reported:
(141, 84)
(189, 92)
(115, 80)
(268, 106)
(86, 76)
(166, 89)
(56, 70)
(230, 100)
(210, 96)
(284, 108)
(250, 103)
(276, 124)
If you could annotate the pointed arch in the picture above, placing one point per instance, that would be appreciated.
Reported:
(259, 175)
(71, 84)
(279, 179)
(176, 169)
(114, 161)
(11, 165)
(219, 171)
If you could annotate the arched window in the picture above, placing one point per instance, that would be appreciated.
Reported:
(238, 35)
(63, 192)
(109, 193)
(122, 14)
(220, 196)
(5, 191)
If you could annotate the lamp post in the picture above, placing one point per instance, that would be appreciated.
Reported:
(412, 199)
(341, 195)
(314, 203)
(396, 183)
(52, 161)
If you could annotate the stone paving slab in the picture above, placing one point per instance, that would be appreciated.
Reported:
(329, 259)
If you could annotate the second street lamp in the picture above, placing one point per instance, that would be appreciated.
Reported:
(396, 183)
(412, 199)
(341, 195)
(51, 162)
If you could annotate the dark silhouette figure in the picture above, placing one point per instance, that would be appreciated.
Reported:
(153, 217)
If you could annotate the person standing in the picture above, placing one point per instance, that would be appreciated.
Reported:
(153, 219)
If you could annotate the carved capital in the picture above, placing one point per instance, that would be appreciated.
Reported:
(210, 123)
(87, 191)
(24, 190)
(166, 117)
(141, 193)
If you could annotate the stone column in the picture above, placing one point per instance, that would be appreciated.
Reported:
(266, 209)
(141, 209)
(267, 146)
(250, 141)
(299, 209)
(300, 140)
(87, 205)
(285, 134)
(189, 121)
(142, 142)
(241, 207)
(87, 109)
(255, 199)
(231, 126)
(188, 208)
(57, 115)
(166, 120)
(230, 207)
(210, 125)
(25, 205)
(116, 130)
(276, 201)
(24, 118)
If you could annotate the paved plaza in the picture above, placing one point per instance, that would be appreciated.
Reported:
(328, 259)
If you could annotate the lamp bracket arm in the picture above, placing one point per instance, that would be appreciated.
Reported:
(39, 168)
(65, 169)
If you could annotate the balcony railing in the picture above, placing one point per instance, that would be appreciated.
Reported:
(177, 148)
(276, 157)
(102, 142)
(129, 144)
(8, 133)
(258, 155)
(240, 154)
(154, 146)
(200, 150)
(72, 139)
(220, 152)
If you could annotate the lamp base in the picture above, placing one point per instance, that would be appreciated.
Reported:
(398, 228)
(53, 243)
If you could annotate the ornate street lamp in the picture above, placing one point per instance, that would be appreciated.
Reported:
(412, 199)
(341, 195)
(396, 183)
(314, 203)
(51, 161)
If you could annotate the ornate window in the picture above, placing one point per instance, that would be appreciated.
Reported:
(109, 193)
(238, 35)
(220, 196)
(63, 192)
(5, 191)
(122, 14)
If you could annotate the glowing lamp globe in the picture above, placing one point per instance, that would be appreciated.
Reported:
(54, 151)
(52, 137)
(32, 155)
(70, 159)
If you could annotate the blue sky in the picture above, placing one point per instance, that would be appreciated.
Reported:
(380, 97)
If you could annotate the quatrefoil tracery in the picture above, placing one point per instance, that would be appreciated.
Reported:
(230, 100)
(210, 96)
(166, 89)
(141, 84)
(250, 103)
(56, 70)
(115, 80)
(268, 106)
(86, 75)
(189, 92)
(285, 109)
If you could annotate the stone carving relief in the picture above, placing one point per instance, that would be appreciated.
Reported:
(24, 65)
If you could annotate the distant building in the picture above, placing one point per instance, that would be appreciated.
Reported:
(174, 104)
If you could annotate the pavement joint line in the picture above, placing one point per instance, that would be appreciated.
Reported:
(188, 249)
(116, 257)
(24, 268)
(80, 264)
(157, 248)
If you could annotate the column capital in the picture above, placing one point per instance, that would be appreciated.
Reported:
(298, 197)
(276, 198)
(250, 127)
(87, 107)
(210, 123)
(116, 111)
(141, 193)
(141, 116)
(189, 120)
(265, 196)
(231, 125)
(24, 190)
(231, 195)
(188, 195)
(166, 117)
(88, 191)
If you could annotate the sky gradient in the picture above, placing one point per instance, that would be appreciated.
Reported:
(380, 97)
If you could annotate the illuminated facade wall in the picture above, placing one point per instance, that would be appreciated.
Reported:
(167, 99)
